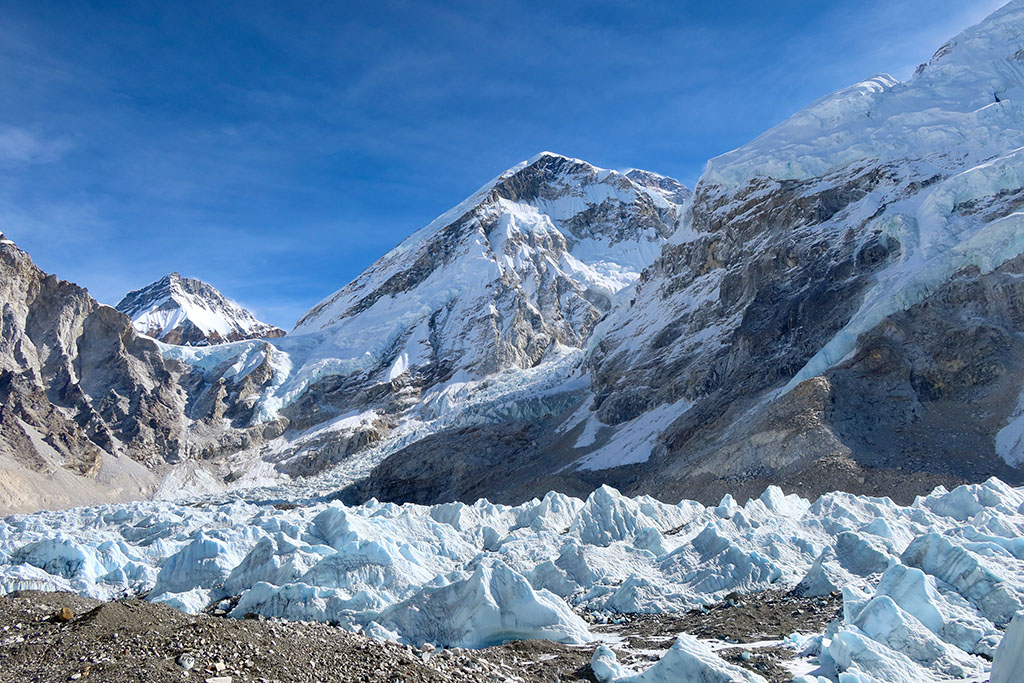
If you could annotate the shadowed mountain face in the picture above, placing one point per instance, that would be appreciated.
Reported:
(189, 312)
(843, 308)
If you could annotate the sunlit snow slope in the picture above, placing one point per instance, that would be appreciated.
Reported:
(530, 261)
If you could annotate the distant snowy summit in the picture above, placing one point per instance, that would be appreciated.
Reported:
(190, 312)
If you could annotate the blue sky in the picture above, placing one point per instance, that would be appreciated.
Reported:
(276, 152)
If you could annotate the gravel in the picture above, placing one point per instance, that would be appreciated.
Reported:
(64, 637)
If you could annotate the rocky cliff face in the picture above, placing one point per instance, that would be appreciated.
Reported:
(90, 410)
(841, 302)
(80, 393)
(186, 311)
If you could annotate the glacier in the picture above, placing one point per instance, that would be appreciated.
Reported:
(1009, 658)
(929, 588)
(687, 660)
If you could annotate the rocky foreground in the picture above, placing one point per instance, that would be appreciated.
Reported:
(64, 637)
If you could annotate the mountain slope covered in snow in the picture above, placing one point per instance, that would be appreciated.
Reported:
(186, 311)
(531, 260)
(474, 318)
(840, 307)
(834, 306)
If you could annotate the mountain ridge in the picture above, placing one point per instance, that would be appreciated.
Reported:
(186, 311)
(832, 306)
(866, 211)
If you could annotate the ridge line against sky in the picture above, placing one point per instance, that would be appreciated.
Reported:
(276, 152)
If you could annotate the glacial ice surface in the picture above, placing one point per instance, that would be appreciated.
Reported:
(929, 588)
(1009, 658)
(687, 660)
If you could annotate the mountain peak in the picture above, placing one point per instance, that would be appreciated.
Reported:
(549, 204)
(959, 109)
(554, 156)
(190, 312)
(546, 153)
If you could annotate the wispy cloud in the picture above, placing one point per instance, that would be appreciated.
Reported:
(21, 146)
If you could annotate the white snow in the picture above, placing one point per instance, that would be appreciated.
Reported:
(885, 622)
(687, 660)
(1010, 439)
(948, 107)
(493, 605)
(1009, 660)
(399, 367)
(632, 441)
(165, 305)
(943, 611)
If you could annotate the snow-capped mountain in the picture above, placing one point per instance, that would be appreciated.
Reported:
(837, 308)
(186, 311)
(841, 305)
(512, 279)
(530, 261)
(835, 305)
(479, 314)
